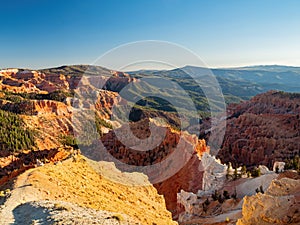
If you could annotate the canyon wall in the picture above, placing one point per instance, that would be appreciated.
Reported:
(262, 130)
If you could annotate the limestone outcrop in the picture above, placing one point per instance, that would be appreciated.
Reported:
(214, 173)
(279, 205)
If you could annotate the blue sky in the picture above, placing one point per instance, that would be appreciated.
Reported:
(224, 33)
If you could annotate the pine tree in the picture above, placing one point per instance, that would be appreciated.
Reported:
(244, 170)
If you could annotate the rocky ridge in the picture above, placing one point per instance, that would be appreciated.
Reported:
(77, 184)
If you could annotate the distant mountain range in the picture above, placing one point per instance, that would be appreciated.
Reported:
(276, 68)
(275, 77)
(243, 82)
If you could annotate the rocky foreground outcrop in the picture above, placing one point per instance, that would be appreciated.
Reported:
(63, 213)
(279, 205)
(79, 188)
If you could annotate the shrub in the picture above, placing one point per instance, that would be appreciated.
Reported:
(235, 175)
(207, 202)
(261, 189)
(234, 195)
(228, 175)
(215, 195)
(101, 122)
(220, 199)
(226, 194)
(68, 140)
(255, 172)
(205, 207)
(293, 163)
(277, 169)
(244, 170)
(58, 95)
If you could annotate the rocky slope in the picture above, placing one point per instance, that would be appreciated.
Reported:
(262, 130)
(63, 213)
(78, 183)
(44, 100)
(279, 205)
(187, 176)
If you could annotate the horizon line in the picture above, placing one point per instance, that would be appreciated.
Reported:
(160, 69)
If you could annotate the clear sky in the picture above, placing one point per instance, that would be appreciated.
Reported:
(224, 33)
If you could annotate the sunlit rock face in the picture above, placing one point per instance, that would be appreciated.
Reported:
(214, 174)
(279, 165)
(264, 170)
(30, 81)
(279, 205)
(188, 178)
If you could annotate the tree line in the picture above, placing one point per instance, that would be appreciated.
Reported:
(14, 136)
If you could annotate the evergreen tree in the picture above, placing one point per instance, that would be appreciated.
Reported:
(244, 170)
(235, 175)
(14, 135)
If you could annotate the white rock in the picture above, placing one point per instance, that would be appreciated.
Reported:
(280, 166)
(264, 170)
(214, 174)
